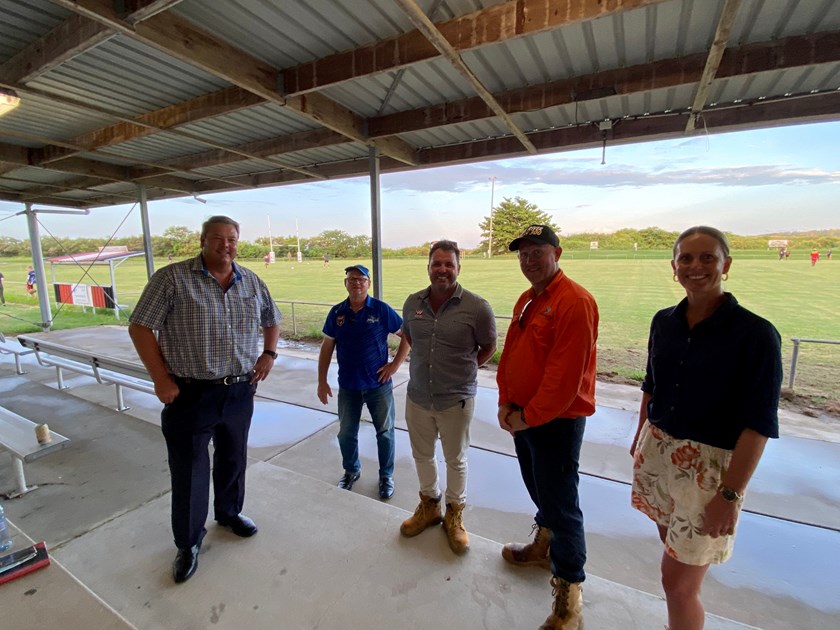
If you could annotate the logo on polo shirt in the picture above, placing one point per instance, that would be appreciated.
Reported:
(418, 314)
(339, 321)
(372, 319)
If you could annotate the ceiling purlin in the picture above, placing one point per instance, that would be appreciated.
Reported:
(721, 38)
(496, 24)
(750, 59)
(179, 38)
(425, 26)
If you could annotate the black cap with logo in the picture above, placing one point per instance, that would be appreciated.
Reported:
(541, 234)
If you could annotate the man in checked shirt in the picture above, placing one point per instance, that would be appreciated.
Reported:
(217, 335)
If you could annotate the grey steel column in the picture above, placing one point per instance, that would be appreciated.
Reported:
(147, 233)
(375, 222)
(38, 265)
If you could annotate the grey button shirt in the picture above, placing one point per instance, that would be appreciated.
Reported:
(444, 346)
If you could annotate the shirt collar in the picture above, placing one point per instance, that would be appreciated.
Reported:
(345, 305)
(721, 313)
(197, 264)
(553, 285)
(459, 292)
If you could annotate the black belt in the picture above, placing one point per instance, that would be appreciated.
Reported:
(227, 380)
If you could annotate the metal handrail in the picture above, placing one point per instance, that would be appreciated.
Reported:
(796, 341)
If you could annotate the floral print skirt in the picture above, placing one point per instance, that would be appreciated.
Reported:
(673, 481)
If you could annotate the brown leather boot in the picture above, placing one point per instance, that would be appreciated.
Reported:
(453, 522)
(567, 609)
(427, 514)
(530, 554)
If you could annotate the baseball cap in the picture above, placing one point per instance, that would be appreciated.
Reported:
(541, 234)
(360, 268)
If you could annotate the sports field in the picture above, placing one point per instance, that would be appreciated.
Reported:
(801, 300)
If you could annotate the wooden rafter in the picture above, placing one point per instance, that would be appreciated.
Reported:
(721, 39)
(493, 25)
(179, 38)
(427, 28)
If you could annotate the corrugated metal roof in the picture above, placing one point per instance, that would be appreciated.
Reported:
(128, 75)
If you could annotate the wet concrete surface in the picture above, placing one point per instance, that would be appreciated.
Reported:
(783, 574)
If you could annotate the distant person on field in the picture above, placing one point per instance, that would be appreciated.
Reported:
(359, 328)
(546, 381)
(815, 256)
(781, 253)
(31, 280)
(2, 290)
(289, 255)
(326, 258)
(267, 260)
(169, 257)
(452, 332)
(709, 404)
(217, 330)
(787, 253)
(828, 255)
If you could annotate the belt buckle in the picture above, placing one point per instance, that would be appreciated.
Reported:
(228, 380)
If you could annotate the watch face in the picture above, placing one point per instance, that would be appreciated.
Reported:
(729, 494)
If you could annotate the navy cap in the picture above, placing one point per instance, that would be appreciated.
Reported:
(360, 268)
(541, 234)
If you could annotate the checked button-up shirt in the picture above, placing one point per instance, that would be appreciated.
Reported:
(204, 331)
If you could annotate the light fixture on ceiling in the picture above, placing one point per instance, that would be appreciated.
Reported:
(199, 199)
(8, 100)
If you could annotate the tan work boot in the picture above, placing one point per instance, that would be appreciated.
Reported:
(567, 609)
(453, 522)
(426, 515)
(530, 554)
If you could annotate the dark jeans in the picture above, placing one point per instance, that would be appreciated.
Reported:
(380, 404)
(199, 413)
(549, 456)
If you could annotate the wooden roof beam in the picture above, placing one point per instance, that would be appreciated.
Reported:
(425, 26)
(495, 24)
(72, 37)
(179, 38)
(721, 38)
(750, 59)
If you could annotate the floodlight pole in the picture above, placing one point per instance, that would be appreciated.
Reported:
(38, 265)
(490, 240)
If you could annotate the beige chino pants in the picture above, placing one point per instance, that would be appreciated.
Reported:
(452, 425)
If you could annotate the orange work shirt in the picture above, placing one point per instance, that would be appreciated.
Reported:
(547, 366)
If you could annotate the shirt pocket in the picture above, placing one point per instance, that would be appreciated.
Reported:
(244, 314)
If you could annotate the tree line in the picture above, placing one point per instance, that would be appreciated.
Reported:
(497, 230)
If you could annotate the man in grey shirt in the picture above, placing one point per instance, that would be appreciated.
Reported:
(452, 332)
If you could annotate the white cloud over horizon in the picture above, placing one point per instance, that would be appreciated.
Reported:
(754, 182)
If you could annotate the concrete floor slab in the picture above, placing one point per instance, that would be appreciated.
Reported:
(114, 462)
(335, 560)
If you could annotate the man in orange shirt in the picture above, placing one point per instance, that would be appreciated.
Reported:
(546, 383)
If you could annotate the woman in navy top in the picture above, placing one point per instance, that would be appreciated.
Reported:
(711, 393)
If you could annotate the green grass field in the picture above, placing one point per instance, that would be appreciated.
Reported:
(802, 301)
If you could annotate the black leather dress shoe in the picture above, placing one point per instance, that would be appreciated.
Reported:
(186, 561)
(240, 525)
(386, 488)
(347, 481)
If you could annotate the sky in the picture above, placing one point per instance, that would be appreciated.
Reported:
(749, 182)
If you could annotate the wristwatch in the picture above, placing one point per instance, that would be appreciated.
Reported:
(270, 353)
(733, 496)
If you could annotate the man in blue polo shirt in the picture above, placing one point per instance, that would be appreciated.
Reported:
(359, 327)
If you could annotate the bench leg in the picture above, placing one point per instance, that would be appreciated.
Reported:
(18, 367)
(22, 488)
(120, 403)
(60, 378)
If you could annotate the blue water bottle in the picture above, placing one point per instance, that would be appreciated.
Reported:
(5, 538)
